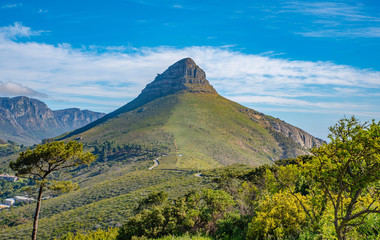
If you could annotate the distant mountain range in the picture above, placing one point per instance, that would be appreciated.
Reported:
(27, 121)
(184, 115)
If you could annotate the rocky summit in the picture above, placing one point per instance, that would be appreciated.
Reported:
(183, 75)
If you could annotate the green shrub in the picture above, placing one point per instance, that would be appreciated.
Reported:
(193, 213)
(109, 234)
(279, 215)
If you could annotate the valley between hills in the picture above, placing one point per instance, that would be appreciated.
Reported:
(206, 166)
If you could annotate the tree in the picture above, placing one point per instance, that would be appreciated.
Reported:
(153, 199)
(348, 171)
(46, 159)
(193, 213)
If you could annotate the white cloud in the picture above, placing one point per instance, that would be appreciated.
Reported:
(12, 5)
(14, 89)
(367, 32)
(336, 19)
(17, 30)
(281, 101)
(42, 11)
(110, 77)
(328, 10)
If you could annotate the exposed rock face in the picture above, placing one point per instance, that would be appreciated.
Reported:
(297, 135)
(75, 118)
(183, 75)
(275, 125)
(28, 121)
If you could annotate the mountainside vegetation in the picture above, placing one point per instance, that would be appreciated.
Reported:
(202, 130)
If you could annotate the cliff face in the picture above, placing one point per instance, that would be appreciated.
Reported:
(73, 118)
(297, 135)
(281, 129)
(184, 75)
(28, 121)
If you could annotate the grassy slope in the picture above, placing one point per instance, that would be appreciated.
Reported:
(206, 129)
(142, 125)
(209, 131)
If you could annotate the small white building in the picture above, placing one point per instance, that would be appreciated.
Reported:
(9, 201)
(3, 206)
(8, 177)
(23, 199)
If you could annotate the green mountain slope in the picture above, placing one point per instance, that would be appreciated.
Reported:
(182, 115)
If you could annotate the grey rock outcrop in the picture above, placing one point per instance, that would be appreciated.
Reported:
(283, 132)
(183, 75)
(297, 135)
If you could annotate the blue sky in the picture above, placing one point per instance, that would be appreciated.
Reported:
(306, 62)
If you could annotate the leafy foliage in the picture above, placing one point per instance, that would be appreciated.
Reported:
(9, 188)
(348, 171)
(109, 234)
(195, 212)
(112, 151)
(8, 148)
(278, 215)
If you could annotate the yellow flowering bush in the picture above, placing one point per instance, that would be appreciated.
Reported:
(278, 215)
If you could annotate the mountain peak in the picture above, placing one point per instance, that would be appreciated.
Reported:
(184, 68)
(184, 75)
(186, 61)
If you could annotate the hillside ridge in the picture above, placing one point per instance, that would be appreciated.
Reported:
(27, 120)
(181, 112)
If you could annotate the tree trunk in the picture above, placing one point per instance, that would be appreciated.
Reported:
(38, 207)
(340, 232)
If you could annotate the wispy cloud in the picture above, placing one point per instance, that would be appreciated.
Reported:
(365, 32)
(109, 78)
(42, 11)
(292, 102)
(336, 19)
(17, 30)
(330, 10)
(14, 5)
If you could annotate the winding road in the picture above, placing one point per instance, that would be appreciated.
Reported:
(156, 163)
